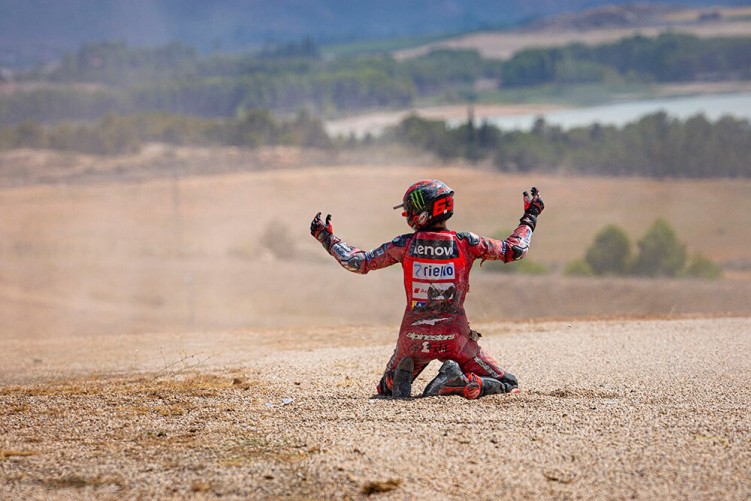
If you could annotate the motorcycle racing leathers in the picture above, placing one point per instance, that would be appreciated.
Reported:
(436, 264)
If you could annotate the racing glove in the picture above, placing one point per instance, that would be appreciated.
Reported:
(533, 206)
(320, 230)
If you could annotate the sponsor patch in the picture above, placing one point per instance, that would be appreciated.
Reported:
(420, 290)
(433, 291)
(401, 240)
(434, 249)
(429, 321)
(430, 337)
(419, 304)
(433, 271)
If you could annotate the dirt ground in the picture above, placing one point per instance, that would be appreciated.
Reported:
(632, 409)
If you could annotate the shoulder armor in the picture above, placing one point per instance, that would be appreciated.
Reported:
(472, 239)
(401, 240)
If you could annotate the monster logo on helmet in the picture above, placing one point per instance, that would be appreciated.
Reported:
(427, 203)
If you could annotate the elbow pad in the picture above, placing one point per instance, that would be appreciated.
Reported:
(518, 243)
(518, 252)
(349, 258)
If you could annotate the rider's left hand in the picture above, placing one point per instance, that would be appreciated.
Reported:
(534, 204)
(319, 229)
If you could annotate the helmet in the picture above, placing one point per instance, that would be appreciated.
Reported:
(426, 203)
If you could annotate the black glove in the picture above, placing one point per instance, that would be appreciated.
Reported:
(319, 229)
(533, 206)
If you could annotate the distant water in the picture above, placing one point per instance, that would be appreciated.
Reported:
(713, 106)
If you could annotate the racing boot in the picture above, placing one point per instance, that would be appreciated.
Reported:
(451, 381)
(492, 386)
(385, 384)
(402, 386)
(510, 382)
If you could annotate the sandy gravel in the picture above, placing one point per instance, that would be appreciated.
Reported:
(642, 409)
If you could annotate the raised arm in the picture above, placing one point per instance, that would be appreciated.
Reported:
(351, 258)
(515, 246)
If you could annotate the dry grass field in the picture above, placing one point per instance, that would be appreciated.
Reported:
(153, 346)
(190, 252)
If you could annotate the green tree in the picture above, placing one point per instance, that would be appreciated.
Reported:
(531, 67)
(610, 253)
(660, 252)
(700, 266)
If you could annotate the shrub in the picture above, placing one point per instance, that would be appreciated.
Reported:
(660, 252)
(701, 266)
(610, 252)
(660, 255)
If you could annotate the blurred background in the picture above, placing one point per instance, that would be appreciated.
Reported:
(160, 161)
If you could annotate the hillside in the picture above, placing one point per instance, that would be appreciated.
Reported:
(30, 32)
(596, 26)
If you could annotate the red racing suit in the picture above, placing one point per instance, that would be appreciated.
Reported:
(436, 265)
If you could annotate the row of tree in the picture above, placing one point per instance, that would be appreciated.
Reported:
(112, 77)
(654, 146)
(670, 57)
(116, 65)
(119, 134)
(211, 97)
